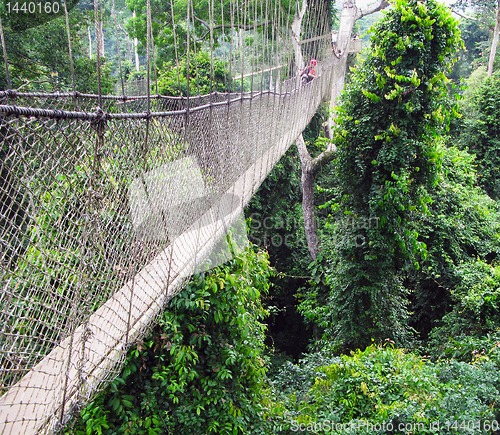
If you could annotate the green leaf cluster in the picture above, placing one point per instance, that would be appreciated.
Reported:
(387, 158)
(383, 390)
(202, 369)
(480, 129)
(205, 77)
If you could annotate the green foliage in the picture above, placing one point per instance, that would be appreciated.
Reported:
(387, 156)
(477, 293)
(461, 229)
(476, 310)
(481, 131)
(291, 382)
(383, 390)
(39, 58)
(202, 368)
(471, 348)
(473, 52)
(471, 93)
(204, 77)
(40, 13)
(483, 15)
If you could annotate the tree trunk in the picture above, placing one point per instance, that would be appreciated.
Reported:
(296, 31)
(129, 50)
(135, 49)
(350, 14)
(494, 43)
(310, 166)
(308, 183)
(90, 43)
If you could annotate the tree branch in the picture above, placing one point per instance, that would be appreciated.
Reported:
(453, 11)
(325, 157)
(372, 8)
(304, 155)
(465, 17)
(307, 182)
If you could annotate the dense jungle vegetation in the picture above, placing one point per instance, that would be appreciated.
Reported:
(395, 327)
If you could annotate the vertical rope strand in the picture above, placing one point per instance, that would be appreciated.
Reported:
(253, 49)
(274, 48)
(192, 25)
(265, 33)
(243, 45)
(226, 77)
(148, 42)
(175, 47)
(188, 63)
(211, 24)
(152, 48)
(5, 59)
(231, 46)
(98, 50)
(72, 66)
(118, 52)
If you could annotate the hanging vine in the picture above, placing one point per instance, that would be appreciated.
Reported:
(387, 155)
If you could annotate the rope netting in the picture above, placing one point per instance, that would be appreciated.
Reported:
(109, 203)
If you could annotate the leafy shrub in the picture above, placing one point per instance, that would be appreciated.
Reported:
(293, 381)
(383, 390)
(203, 77)
(202, 368)
(462, 234)
(475, 312)
(480, 128)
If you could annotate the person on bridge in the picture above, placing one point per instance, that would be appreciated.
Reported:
(309, 73)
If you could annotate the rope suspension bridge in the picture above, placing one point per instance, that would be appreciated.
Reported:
(108, 204)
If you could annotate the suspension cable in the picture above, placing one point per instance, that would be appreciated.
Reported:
(118, 48)
(98, 37)
(5, 59)
(175, 48)
(72, 66)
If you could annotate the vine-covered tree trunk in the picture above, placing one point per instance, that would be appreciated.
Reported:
(387, 158)
(350, 14)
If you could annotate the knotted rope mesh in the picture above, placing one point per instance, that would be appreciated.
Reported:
(107, 208)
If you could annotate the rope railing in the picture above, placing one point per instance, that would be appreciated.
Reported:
(226, 99)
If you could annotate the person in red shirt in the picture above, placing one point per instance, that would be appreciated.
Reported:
(309, 73)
